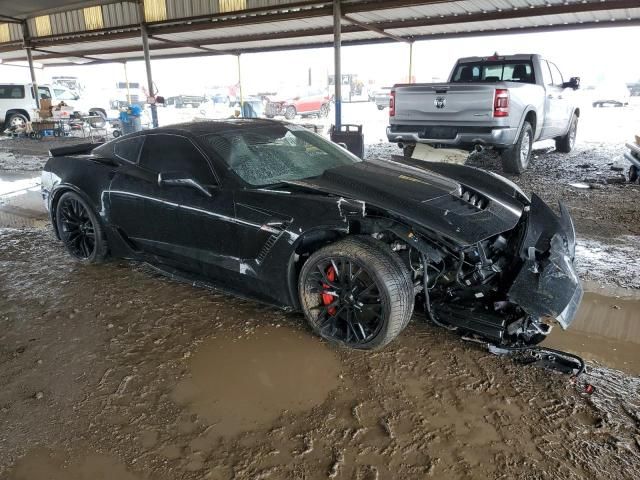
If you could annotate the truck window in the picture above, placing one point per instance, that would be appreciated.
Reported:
(556, 75)
(494, 71)
(11, 91)
(64, 94)
(546, 73)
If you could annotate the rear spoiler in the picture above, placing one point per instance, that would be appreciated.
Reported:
(73, 149)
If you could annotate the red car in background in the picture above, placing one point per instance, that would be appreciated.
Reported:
(306, 101)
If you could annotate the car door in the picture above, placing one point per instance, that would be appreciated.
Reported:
(563, 99)
(190, 228)
(552, 104)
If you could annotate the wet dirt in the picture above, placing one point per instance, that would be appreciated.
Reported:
(606, 331)
(91, 358)
(44, 464)
(248, 382)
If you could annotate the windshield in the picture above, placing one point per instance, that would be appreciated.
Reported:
(272, 154)
(494, 71)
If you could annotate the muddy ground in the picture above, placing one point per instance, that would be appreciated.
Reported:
(113, 371)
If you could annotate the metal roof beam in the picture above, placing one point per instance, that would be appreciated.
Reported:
(438, 36)
(379, 31)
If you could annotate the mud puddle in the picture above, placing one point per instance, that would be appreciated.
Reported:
(43, 464)
(606, 330)
(243, 383)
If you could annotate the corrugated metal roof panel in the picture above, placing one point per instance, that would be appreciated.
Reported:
(119, 14)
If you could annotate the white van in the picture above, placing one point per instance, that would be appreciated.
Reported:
(18, 105)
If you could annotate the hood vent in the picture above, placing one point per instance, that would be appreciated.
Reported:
(473, 198)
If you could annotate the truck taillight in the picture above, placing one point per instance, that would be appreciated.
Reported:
(501, 103)
(392, 104)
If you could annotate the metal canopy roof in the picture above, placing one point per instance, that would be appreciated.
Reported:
(107, 31)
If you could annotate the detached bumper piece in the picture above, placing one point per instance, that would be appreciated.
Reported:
(547, 284)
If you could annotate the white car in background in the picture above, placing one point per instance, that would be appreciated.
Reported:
(616, 94)
(18, 104)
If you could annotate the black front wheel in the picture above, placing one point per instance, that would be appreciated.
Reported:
(79, 229)
(357, 293)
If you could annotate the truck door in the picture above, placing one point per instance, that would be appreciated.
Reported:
(552, 104)
(563, 98)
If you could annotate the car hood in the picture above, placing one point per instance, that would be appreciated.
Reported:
(440, 201)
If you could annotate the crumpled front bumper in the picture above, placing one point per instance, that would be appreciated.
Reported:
(547, 284)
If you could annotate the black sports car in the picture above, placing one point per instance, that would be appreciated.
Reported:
(274, 212)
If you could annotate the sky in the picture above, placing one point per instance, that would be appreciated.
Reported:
(606, 55)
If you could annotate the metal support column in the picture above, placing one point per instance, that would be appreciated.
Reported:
(27, 45)
(337, 70)
(410, 62)
(126, 79)
(240, 88)
(147, 61)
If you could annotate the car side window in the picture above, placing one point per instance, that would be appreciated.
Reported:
(175, 153)
(129, 148)
(557, 76)
(11, 91)
(546, 73)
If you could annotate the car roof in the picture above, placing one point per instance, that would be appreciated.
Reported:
(215, 126)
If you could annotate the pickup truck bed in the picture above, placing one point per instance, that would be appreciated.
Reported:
(505, 103)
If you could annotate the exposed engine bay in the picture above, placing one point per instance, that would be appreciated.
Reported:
(508, 290)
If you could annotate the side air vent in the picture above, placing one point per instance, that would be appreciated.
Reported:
(473, 198)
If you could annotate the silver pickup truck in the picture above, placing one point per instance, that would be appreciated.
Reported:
(502, 102)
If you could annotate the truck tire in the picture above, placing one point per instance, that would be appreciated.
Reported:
(380, 299)
(17, 120)
(407, 151)
(515, 159)
(566, 143)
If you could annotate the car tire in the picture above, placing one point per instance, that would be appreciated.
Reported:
(407, 151)
(633, 174)
(80, 229)
(290, 112)
(380, 107)
(17, 120)
(373, 303)
(566, 143)
(324, 111)
(515, 159)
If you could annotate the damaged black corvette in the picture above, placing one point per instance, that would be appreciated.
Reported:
(271, 211)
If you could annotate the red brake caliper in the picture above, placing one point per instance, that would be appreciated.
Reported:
(328, 299)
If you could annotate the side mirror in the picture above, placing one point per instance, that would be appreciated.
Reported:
(180, 179)
(574, 82)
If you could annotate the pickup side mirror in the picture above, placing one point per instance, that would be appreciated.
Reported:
(181, 179)
(574, 82)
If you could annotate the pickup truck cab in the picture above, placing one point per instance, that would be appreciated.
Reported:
(501, 102)
(18, 104)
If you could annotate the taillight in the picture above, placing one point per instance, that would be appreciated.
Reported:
(392, 104)
(501, 103)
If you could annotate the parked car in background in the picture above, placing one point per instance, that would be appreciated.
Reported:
(381, 97)
(183, 101)
(18, 104)
(304, 101)
(502, 102)
(616, 94)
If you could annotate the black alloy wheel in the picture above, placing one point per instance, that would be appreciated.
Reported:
(79, 229)
(356, 294)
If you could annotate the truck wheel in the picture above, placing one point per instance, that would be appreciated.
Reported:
(515, 159)
(290, 112)
(407, 151)
(17, 120)
(354, 293)
(566, 143)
